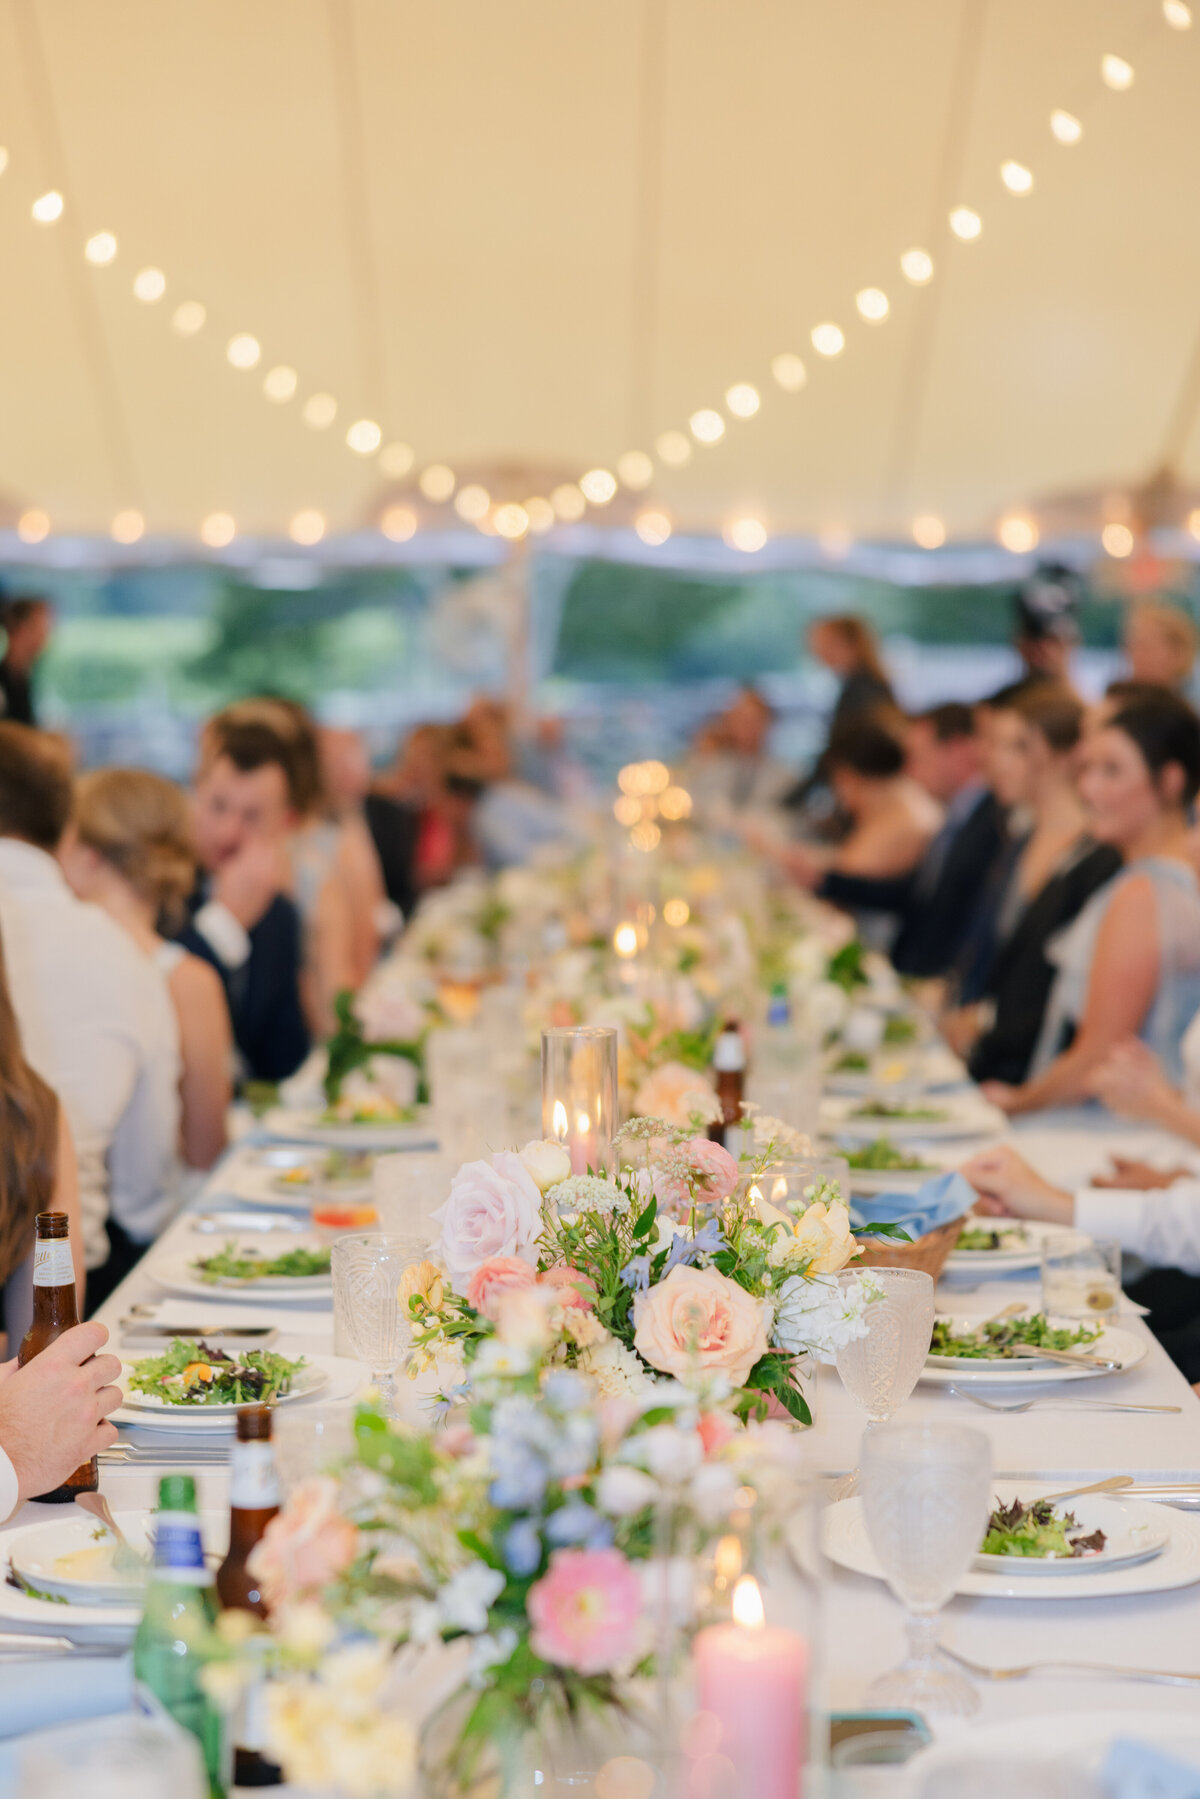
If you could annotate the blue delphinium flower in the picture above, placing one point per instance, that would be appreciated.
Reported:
(518, 1476)
(637, 1273)
(686, 1250)
(577, 1522)
(522, 1547)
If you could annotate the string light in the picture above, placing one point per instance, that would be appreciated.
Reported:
(307, 527)
(128, 526)
(707, 425)
(828, 340)
(187, 318)
(437, 482)
(1065, 126)
(33, 526)
(396, 459)
(100, 248)
(1116, 73)
(598, 486)
(511, 521)
(1017, 533)
(280, 383)
(364, 437)
(243, 351)
(48, 208)
(218, 530)
(1177, 15)
(1193, 523)
(917, 266)
(1117, 540)
(472, 503)
(150, 285)
(789, 372)
(1016, 177)
(652, 527)
(746, 534)
(965, 224)
(319, 411)
(540, 514)
(399, 523)
(635, 470)
(673, 448)
(928, 531)
(872, 304)
(568, 503)
(742, 400)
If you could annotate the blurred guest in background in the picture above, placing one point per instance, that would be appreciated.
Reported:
(1160, 645)
(847, 646)
(511, 819)
(1046, 628)
(27, 621)
(128, 849)
(346, 783)
(729, 770)
(404, 811)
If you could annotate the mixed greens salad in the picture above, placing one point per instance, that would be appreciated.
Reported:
(998, 1339)
(853, 1062)
(1038, 1531)
(193, 1374)
(981, 1236)
(340, 1168)
(230, 1264)
(883, 1157)
(883, 1108)
(900, 1029)
(368, 1108)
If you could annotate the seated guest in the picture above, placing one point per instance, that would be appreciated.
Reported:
(128, 849)
(346, 784)
(935, 902)
(27, 621)
(847, 646)
(1057, 867)
(730, 769)
(510, 818)
(54, 1414)
(243, 920)
(1129, 964)
(1045, 630)
(94, 1013)
(1160, 645)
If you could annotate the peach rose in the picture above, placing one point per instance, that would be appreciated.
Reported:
(574, 1288)
(675, 1094)
(824, 1231)
(422, 1280)
(698, 1319)
(306, 1545)
(500, 1275)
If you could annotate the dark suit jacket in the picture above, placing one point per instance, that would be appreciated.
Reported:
(934, 918)
(1020, 977)
(395, 829)
(264, 993)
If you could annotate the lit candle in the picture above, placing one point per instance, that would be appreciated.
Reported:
(753, 1680)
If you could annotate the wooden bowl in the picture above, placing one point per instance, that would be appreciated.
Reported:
(928, 1253)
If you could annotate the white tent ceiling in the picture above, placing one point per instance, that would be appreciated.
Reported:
(544, 232)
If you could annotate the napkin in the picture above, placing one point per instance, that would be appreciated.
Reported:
(1136, 1771)
(53, 1689)
(935, 1202)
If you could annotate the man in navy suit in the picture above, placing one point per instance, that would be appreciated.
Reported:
(242, 919)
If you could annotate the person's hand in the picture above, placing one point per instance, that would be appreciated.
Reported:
(1008, 1187)
(1001, 1095)
(803, 863)
(54, 1411)
(253, 875)
(1131, 1081)
(1139, 1175)
(961, 1028)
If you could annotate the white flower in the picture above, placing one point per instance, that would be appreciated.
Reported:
(489, 1650)
(494, 1209)
(502, 1359)
(304, 1629)
(806, 959)
(393, 1078)
(621, 1491)
(546, 1163)
(617, 1371)
(713, 1491)
(669, 1453)
(465, 1599)
(815, 1315)
(588, 1193)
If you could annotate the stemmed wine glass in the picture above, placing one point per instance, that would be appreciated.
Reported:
(368, 1312)
(925, 1494)
(881, 1369)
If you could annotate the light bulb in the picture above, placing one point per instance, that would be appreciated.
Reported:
(965, 224)
(872, 304)
(307, 527)
(653, 527)
(218, 530)
(319, 411)
(33, 525)
(243, 351)
(645, 836)
(150, 285)
(437, 482)
(280, 383)
(1017, 533)
(364, 437)
(569, 504)
(128, 526)
(828, 340)
(540, 514)
(101, 248)
(1065, 126)
(675, 803)
(789, 372)
(626, 809)
(747, 534)
(929, 531)
(1016, 177)
(511, 521)
(676, 913)
(396, 459)
(742, 400)
(48, 207)
(187, 318)
(1177, 15)
(635, 470)
(472, 502)
(707, 426)
(625, 940)
(917, 266)
(598, 486)
(1116, 73)
(399, 523)
(1117, 540)
(673, 448)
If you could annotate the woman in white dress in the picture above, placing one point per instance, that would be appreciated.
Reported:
(1129, 964)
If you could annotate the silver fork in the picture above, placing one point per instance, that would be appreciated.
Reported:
(1062, 1405)
(1164, 1676)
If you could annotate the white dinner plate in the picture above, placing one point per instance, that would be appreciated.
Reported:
(1078, 1741)
(1113, 1343)
(870, 1181)
(309, 1380)
(1134, 1532)
(298, 1125)
(958, 1115)
(177, 1275)
(1027, 1254)
(340, 1379)
(847, 1543)
(905, 1069)
(36, 1551)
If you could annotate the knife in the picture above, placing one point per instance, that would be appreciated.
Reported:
(138, 1327)
(1028, 1350)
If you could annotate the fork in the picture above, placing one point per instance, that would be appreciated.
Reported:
(1164, 1676)
(1062, 1405)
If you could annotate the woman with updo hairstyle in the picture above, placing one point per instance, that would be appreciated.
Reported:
(1129, 964)
(128, 850)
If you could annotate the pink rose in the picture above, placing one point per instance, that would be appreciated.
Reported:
(493, 1278)
(715, 1431)
(699, 1320)
(677, 1094)
(306, 1545)
(712, 1172)
(585, 1611)
(574, 1288)
(494, 1209)
(388, 1014)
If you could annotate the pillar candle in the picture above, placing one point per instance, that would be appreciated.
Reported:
(753, 1679)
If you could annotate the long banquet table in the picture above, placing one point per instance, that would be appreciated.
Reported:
(864, 1624)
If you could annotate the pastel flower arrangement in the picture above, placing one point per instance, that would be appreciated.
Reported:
(375, 1060)
(675, 1268)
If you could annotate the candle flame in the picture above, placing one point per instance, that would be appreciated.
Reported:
(728, 1560)
(560, 1121)
(583, 1123)
(747, 1604)
(780, 1189)
(754, 1195)
(625, 940)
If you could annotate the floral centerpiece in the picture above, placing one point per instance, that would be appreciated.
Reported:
(375, 1060)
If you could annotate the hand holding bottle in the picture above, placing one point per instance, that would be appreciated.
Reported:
(54, 1410)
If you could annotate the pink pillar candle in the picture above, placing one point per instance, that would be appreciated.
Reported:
(753, 1680)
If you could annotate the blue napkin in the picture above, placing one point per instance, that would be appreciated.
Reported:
(1135, 1771)
(935, 1202)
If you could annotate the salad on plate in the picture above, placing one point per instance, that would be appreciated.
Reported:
(992, 1238)
(1039, 1531)
(191, 1373)
(243, 1267)
(339, 1168)
(883, 1157)
(900, 1114)
(1000, 1339)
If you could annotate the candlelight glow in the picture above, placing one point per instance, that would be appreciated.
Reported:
(727, 1563)
(560, 1121)
(625, 940)
(676, 802)
(676, 912)
(747, 1604)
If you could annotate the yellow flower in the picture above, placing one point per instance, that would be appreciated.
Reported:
(824, 1232)
(422, 1280)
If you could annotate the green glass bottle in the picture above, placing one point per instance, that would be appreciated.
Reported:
(176, 1636)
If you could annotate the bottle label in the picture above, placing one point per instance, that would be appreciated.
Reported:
(253, 1482)
(178, 1549)
(52, 1264)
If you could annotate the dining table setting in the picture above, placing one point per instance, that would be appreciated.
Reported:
(981, 1470)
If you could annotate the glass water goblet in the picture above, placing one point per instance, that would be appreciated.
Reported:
(368, 1313)
(926, 1490)
(881, 1369)
(1081, 1278)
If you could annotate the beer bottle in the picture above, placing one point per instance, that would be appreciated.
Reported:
(729, 1066)
(254, 1501)
(55, 1310)
(176, 1636)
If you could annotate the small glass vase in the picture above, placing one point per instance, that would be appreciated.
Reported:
(579, 1094)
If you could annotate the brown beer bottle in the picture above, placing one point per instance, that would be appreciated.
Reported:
(729, 1066)
(55, 1310)
(253, 1501)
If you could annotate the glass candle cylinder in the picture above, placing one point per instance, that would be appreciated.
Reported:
(579, 1094)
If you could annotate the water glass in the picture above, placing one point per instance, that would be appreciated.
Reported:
(1081, 1278)
(926, 1493)
(881, 1369)
(310, 1440)
(368, 1314)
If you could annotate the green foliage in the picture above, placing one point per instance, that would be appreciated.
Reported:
(348, 1049)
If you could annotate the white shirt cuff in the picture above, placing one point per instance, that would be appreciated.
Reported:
(226, 935)
(1111, 1212)
(10, 1496)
